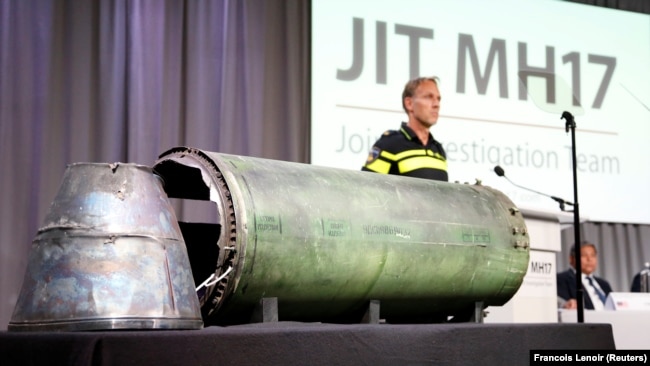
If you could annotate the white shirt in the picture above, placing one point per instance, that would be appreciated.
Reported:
(589, 290)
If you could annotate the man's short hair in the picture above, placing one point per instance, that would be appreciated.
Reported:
(411, 85)
(584, 243)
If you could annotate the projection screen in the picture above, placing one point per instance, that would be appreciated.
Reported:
(508, 69)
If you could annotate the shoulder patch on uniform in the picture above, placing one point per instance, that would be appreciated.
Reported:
(373, 154)
(389, 132)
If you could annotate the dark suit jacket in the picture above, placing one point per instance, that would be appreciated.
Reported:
(566, 287)
(636, 283)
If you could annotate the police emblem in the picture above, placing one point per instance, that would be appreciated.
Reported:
(373, 154)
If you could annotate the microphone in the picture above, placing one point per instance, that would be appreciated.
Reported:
(570, 122)
(501, 173)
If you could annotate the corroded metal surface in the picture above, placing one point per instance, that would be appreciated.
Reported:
(326, 241)
(109, 255)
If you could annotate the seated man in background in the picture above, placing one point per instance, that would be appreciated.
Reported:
(595, 289)
(636, 281)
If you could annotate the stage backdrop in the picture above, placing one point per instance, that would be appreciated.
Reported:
(126, 80)
(507, 73)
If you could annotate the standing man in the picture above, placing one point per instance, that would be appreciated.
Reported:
(412, 150)
(595, 288)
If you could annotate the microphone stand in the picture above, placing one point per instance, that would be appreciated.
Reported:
(571, 124)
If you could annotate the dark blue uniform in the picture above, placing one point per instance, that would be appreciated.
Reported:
(402, 153)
